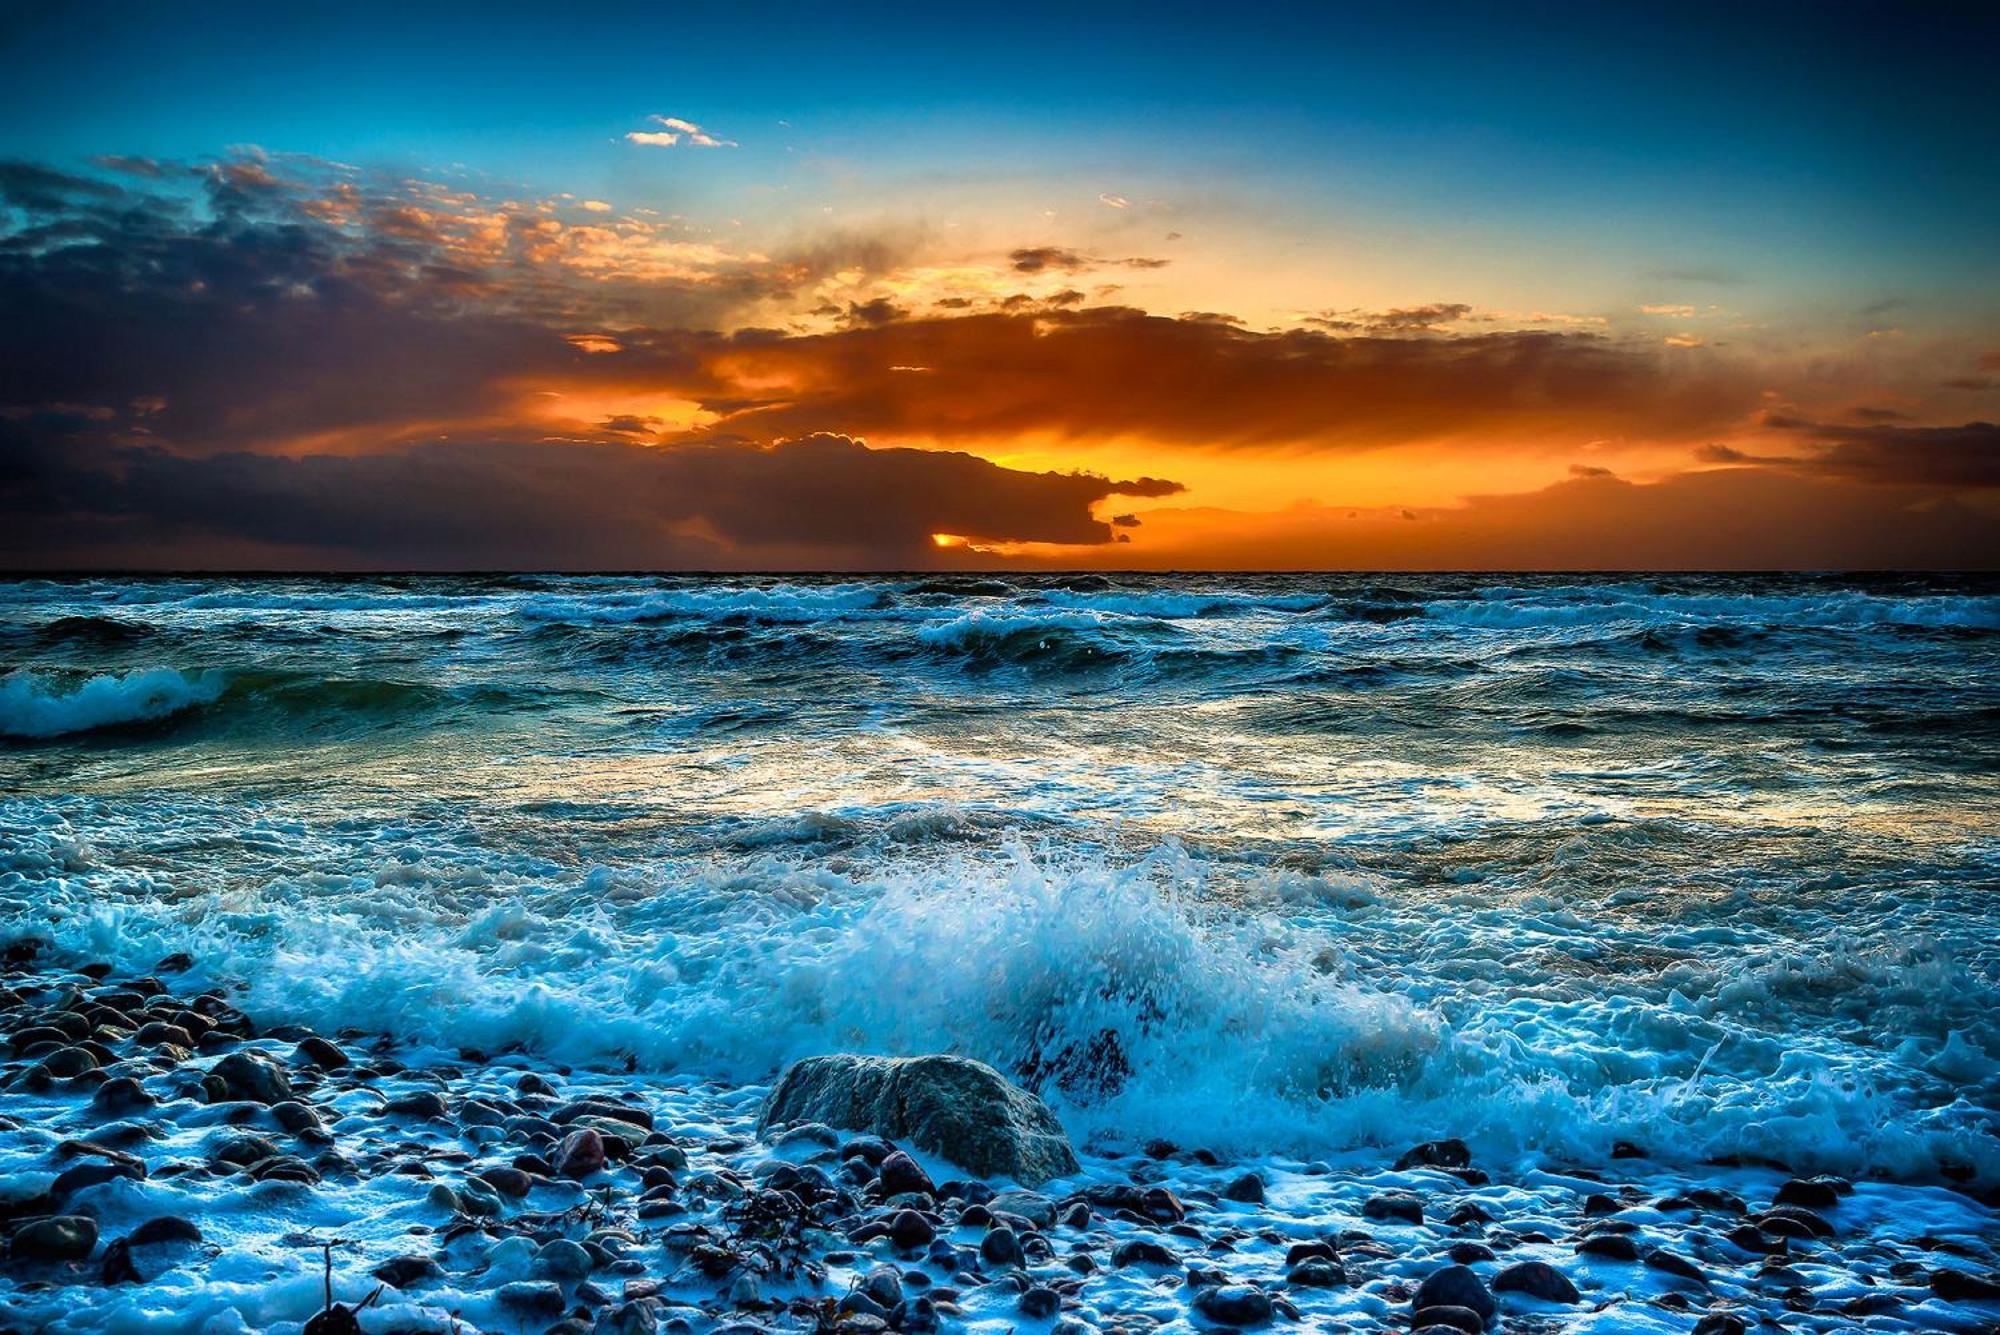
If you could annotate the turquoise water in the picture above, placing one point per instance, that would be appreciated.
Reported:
(1291, 861)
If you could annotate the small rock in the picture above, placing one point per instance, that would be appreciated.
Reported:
(252, 1077)
(1248, 1189)
(1455, 1286)
(316, 1051)
(1537, 1280)
(1436, 1154)
(1316, 1273)
(1444, 1316)
(164, 1228)
(507, 1180)
(1037, 1209)
(1039, 1303)
(1398, 1205)
(426, 1103)
(1678, 1266)
(537, 1297)
(580, 1154)
(399, 1272)
(64, 1237)
(1001, 1247)
(1962, 1286)
(1234, 1305)
(899, 1174)
(1142, 1251)
(561, 1259)
(1611, 1246)
(910, 1230)
(121, 1094)
(1720, 1323)
(1815, 1193)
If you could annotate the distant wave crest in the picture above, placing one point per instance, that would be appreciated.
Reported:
(36, 706)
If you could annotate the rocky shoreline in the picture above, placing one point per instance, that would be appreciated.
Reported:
(168, 1164)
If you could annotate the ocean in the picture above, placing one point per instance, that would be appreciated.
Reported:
(1270, 863)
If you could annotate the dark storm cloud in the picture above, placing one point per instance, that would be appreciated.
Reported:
(1429, 319)
(1934, 456)
(1039, 259)
(1206, 383)
(533, 504)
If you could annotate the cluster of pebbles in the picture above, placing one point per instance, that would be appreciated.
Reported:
(165, 1163)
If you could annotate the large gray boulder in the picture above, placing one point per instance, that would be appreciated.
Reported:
(953, 1107)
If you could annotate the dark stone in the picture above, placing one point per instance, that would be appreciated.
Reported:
(580, 1154)
(538, 1297)
(1455, 1286)
(959, 1109)
(1316, 1273)
(121, 1094)
(1234, 1305)
(1001, 1247)
(422, 1103)
(66, 1062)
(1248, 1189)
(1794, 1221)
(316, 1051)
(66, 1237)
(1538, 1280)
(164, 1228)
(1039, 1303)
(1436, 1154)
(900, 1174)
(251, 1077)
(507, 1180)
(1465, 1253)
(1142, 1251)
(1678, 1266)
(1444, 1316)
(1815, 1193)
(86, 1175)
(910, 1230)
(1720, 1323)
(399, 1272)
(1398, 1205)
(1962, 1286)
(1611, 1246)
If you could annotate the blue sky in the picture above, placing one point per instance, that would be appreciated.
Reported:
(1436, 252)
(1855, 128)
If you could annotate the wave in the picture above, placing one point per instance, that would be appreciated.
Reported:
(1526, 609)
(1137, 1004)
(36, 706)
(1062, 640)
(1182, 606)
(778, 604)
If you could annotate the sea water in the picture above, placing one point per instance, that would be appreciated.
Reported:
(1271, 864)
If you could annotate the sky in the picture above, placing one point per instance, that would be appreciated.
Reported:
(1423, 286)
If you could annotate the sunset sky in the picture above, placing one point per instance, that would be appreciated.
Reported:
(1385, 286)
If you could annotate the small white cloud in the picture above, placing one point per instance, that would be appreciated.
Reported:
(1114, 201)
(1685, 340)
(676, 131)
(595, 206)
(1681, 311)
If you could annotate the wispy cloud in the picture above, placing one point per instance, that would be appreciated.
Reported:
(674, 131)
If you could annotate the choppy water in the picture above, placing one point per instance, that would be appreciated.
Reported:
(1294, 863)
